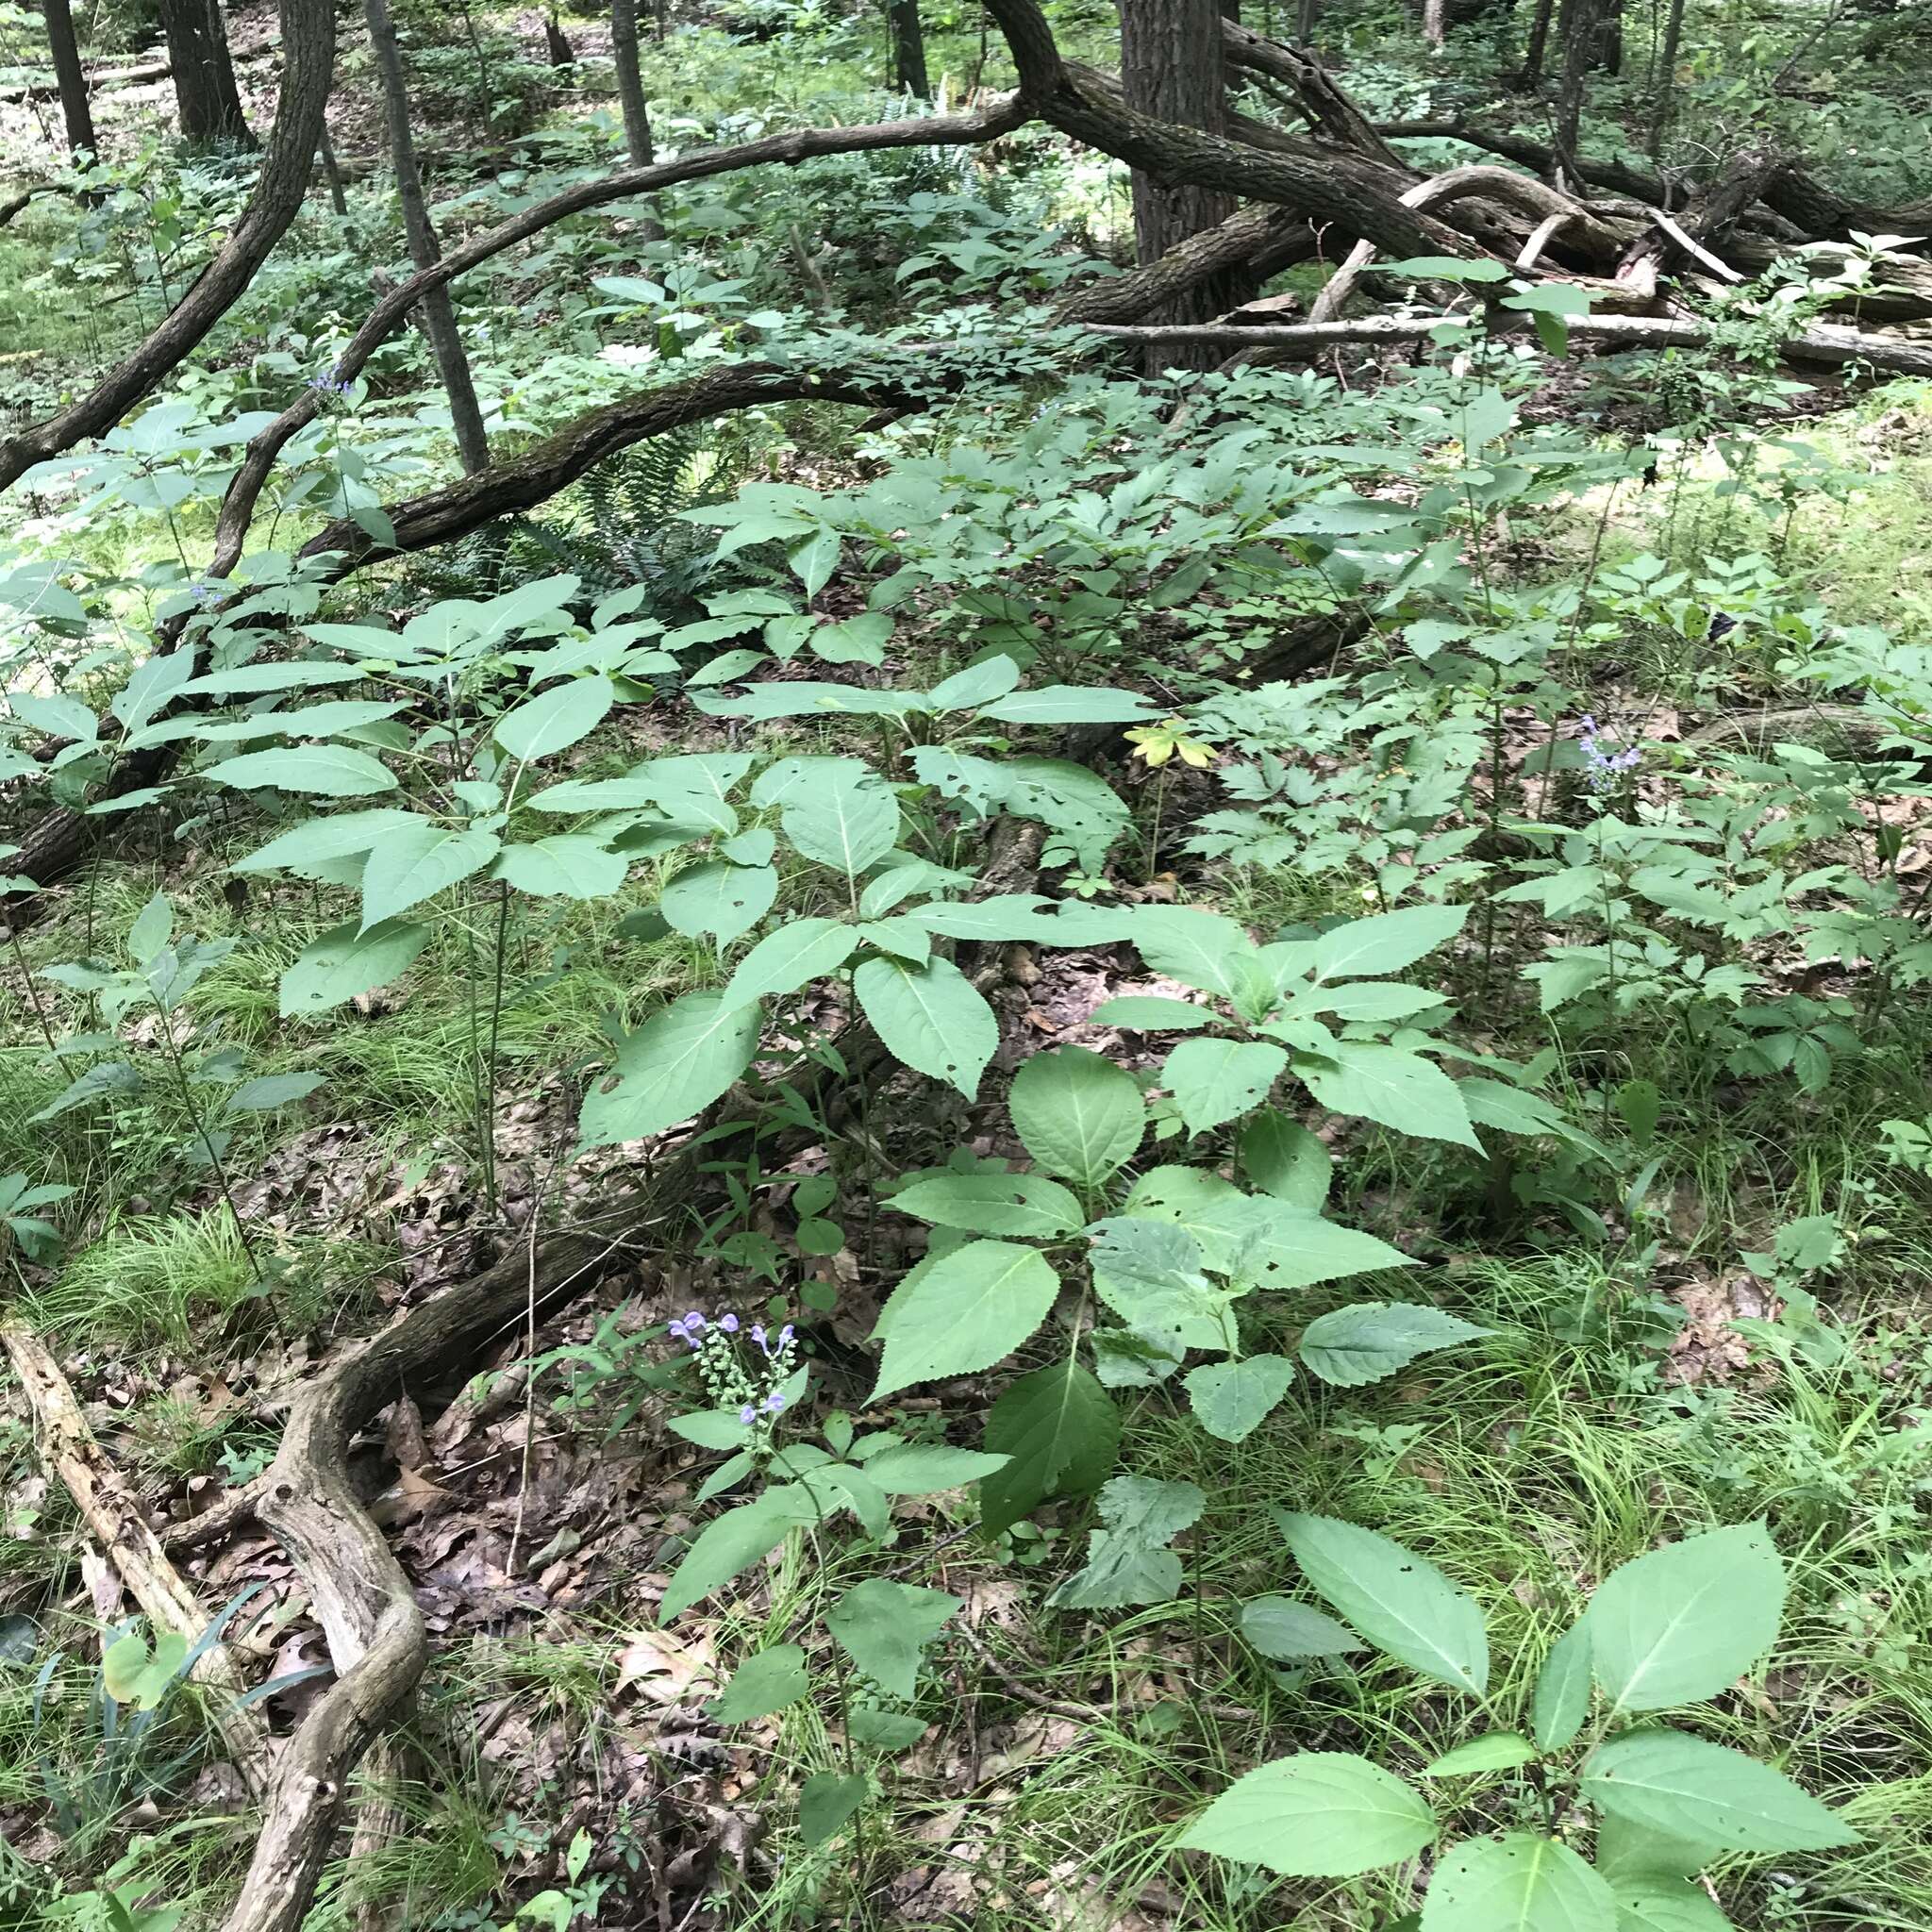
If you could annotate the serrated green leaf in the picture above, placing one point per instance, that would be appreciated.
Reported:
(1318, 1814)
(417, 860)
(718, 899)
(733, 1542)
(1199, 949)
(1496, 1751)
(1006, 1203)
(1059, 1431)
(346, 961)
(331, 770)
(1289, 1632)
(1231, 1399)
(1079, 1116)
(1386, 942)
(1520, 1883)
(884, 1627)
(1666, 1781)
(927, 1469)
(555, 718)
(1364, 1343)
(672, 1068)
(1151, 1013)
(960, 1312)
(563, 866)
(1396, 1089)
(930, 1017)
(1216, 1080)
(795, 956)
(1562, 1689)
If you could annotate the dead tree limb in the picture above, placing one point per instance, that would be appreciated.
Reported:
(113, 1514)
(309, 55)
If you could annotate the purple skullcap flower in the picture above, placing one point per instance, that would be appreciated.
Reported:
(747, 1415)
(1586, 725)
(785, 1338)
(730, 1323)
(757, 1333)
(695, 1322)
(774, 1402)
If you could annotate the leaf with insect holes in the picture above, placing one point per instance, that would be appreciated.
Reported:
(930, 1017)
(1216, 1080)
(719, 899)
(346, 961)
(963, 1311)
(1666, 1781)
(1396, 1599)
(672, 1068)
(1318, 1814)
(1521, 1882)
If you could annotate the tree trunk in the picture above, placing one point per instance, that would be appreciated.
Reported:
(1536, 49)
(637, 144)
(1172, 68)
(556, 43)
(1666, 79)
(203, 75)
(1435, 21)
(1577, 26)
(75, 110)
(908, 50)
(438, 314)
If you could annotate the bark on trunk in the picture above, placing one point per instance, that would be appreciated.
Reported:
(637, 143)
(204, 90)
(908, 50)
(1171, 68)
(74, 109)
(438, 312)
(1666, 79)
(1537, 47)
(1577, 27)
(308, 45)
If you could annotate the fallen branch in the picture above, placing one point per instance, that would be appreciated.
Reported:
(113, 1514)
(1818, 343)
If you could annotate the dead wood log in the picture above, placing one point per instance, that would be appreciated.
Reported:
(1328, 106)
(113, 1514)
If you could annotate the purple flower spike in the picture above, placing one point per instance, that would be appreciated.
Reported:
(730, 1323)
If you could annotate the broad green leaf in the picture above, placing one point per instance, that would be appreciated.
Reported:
(978, 684)
(1319, 1814)
(417, 862)
(672, 1068)
(717, 898)
(829, 1798)
(849, 822)
(555, 718)
(1671, 1783)
(1060, 1433)
(153, 682)
(1070, 704)
(332, 771)
(1363, 1343)
(1231, 1399)
(930, 1017)
(1283, 1158)
(1562, 1689)
(1200, 949)
(792, 957)
(107, 1080)
(153, 927)
(1129, 1562)
(1216, 1080)
(1388, 1084)
(1151, 1013)
(317, 840)
(884, 1627)
(270, 1091)
(1286, 1631)
(1496, 1751)
(1368, 999)
(962, 1311)
(1658, 1901)
(562, 866)
(123, 1664)
(1079, 1116)
(1022, 1204)
(1686, 1622)
(926, 1469)
(1385, 942)
(760, 1685)
(1520, 1883)
(735, 1542)
(1399, 1601)
(345, 961)
(57, 716)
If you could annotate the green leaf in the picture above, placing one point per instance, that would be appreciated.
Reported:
(1399, 1601)
(1397, 1088)
(332, 771)
(1079, 1116)
(154, 681)
(849, 821)
(960, 1312)
(1286, 1631)
(1448, 268)
(1386, 943)
(271, 1091)
(1070, 704)
(316, 841)
(1656, 1902)
(1683, 1786)
(1562, 1689)
(884, 1627)
(1215, 1080)
(1686, 1622)
(1151, 1013)
(1231, 1399)
(123, 1664)
(827, 1798)
(1283, 1158)
(1059, 1431)
(672, 1068)
(345, 961)
(555, 718)
(1496, 1751)
(562, 866)
(718, 898)
(927, 1469)
(735, 1542)
(1022, 1204)
(1129, 1562)
(1318, 1814)
(930, 1017)
(153, 927)
(57, 716)
(417, 862)
(1200, 949)
(1363, 1343)
(1520, 1883)
(795, 956)
(101, 1082)
(760, 1685)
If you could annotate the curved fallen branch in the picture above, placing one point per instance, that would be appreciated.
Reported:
(113, 1514)
(309, 55)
